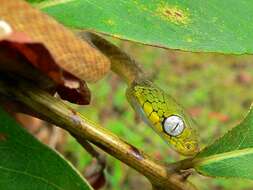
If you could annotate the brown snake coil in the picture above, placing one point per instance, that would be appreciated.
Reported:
(72, 54)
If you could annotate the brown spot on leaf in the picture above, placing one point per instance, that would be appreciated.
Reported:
(178, 14)
(3, 137)
(172, 14)
(168, 12)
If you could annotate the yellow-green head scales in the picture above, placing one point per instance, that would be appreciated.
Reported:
(164, 115)
(159, 110)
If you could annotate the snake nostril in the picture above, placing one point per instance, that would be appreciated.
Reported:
(188, 146)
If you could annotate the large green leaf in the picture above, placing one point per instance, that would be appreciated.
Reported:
(25, 163)
(196, 25)
(231, 155)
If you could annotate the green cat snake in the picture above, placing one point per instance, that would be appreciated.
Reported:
(157, 108)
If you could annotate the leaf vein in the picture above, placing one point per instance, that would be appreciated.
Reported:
(32, 176)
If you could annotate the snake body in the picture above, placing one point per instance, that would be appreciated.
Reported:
(158, 109)
(88, 62)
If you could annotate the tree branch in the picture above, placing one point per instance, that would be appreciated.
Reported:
(57, 112)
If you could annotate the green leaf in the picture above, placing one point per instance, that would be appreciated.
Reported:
(25, 163)
(197, 25)
(231, 155)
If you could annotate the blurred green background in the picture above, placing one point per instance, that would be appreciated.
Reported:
(215, 89)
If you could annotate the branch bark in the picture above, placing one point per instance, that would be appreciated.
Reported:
(57, 112)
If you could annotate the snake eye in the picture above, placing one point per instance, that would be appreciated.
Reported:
(173, 125)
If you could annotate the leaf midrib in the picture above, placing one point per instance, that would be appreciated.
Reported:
(45, 4)
(222, 156)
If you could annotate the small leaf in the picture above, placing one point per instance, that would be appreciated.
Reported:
(27, 164)
(209, 26)
(231, 155)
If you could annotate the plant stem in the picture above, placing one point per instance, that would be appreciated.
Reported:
(101, 159)
(57, 112)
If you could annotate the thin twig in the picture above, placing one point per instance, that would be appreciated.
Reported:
(91, 150)
(54, 136)
(57, 112)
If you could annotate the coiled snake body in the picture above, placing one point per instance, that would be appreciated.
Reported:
(158, 109)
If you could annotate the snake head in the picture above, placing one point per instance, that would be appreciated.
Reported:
(178, 130)
(160, 111)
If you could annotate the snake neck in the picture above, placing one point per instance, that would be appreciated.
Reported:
(128, 70)
(121, 63)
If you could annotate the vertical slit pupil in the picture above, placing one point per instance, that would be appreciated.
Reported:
(173, 125)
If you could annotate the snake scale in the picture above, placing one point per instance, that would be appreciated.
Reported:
(91, 58)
